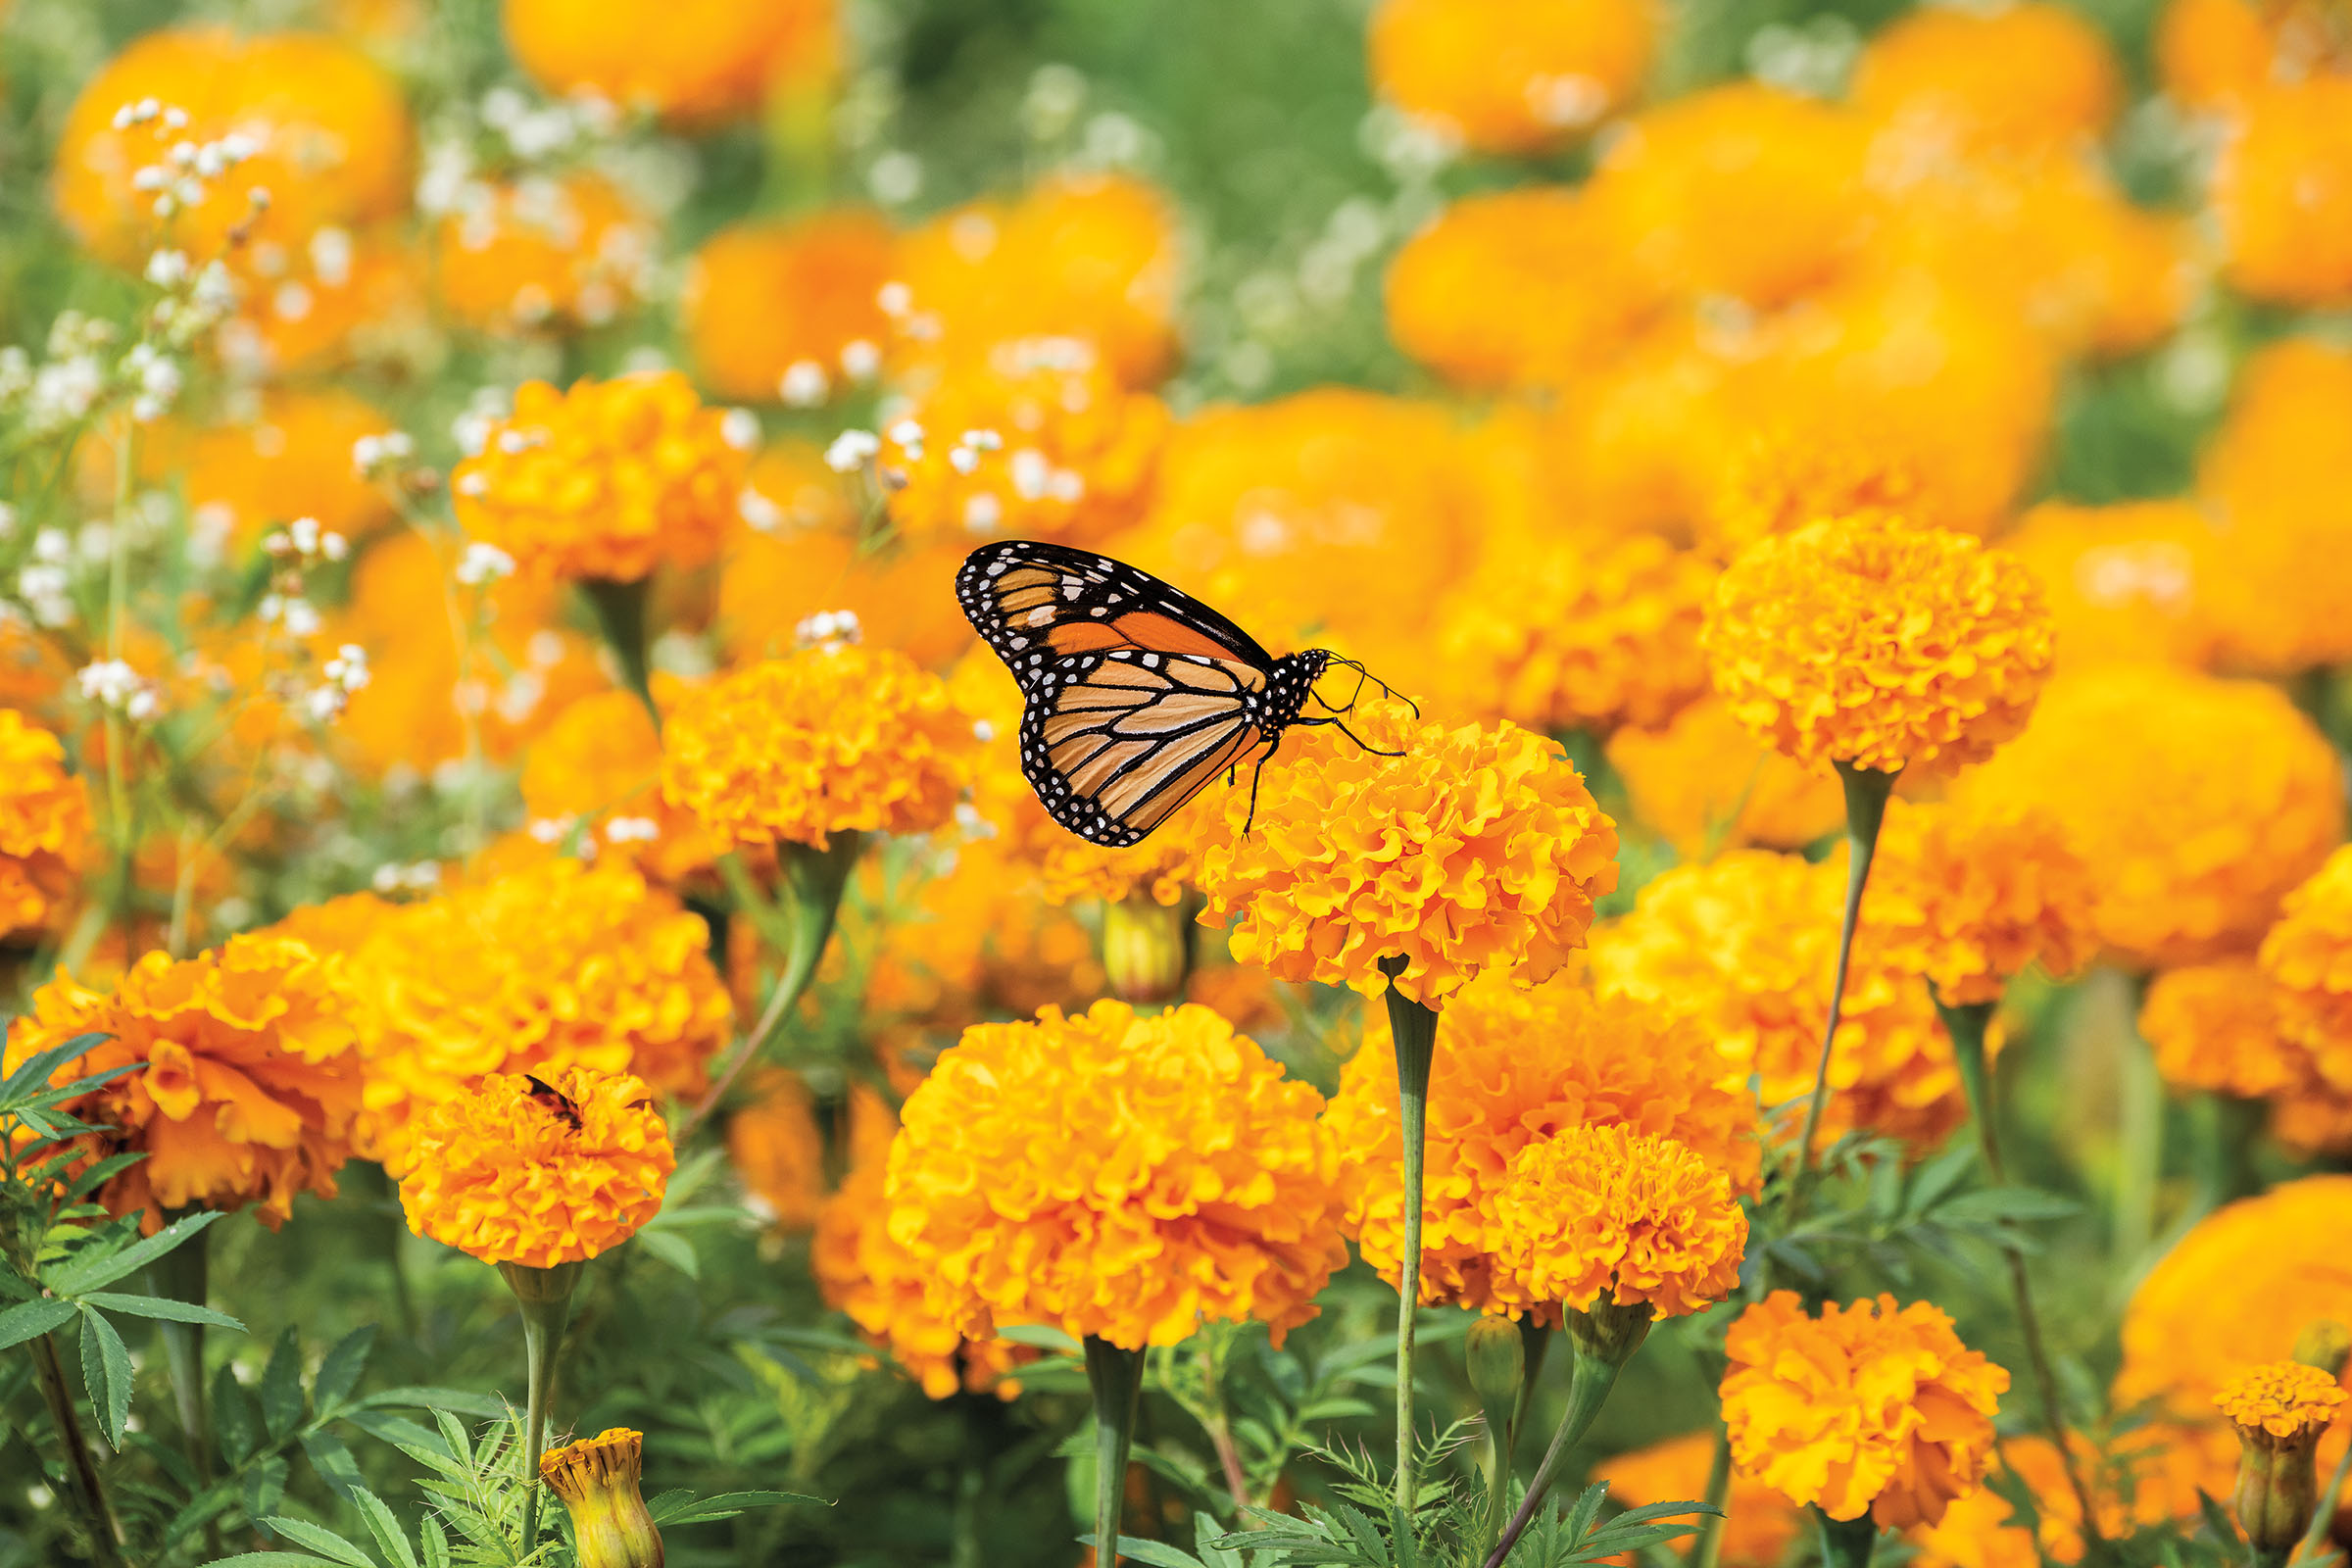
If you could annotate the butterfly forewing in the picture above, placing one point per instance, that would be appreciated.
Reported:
(1035, 603)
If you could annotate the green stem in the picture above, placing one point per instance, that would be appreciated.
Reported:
(2140, 1133)
(106, 1548)
(620, 616)
(1846, 1543)
(1116, 1377)
(183, 1275)
(545, 1297)
(1719, 1488)
(2322, 1517)
(1600, 1357)
(1866, 793)
(1967, 1025)
(1415, 1028)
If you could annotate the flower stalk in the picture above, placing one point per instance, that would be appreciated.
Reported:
(1602, 1340)
(1116, 1377)
(1414, 1027)
(1846, 1543)
(183, 1274)
(98, 1515)
(545, 1297)
(1496, 1355)
(620, 616)
(1866, 794)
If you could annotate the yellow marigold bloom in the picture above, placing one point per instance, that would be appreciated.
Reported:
(598, 1478)
(2196, 802)
(512, 1174)
(251, 1083)
(542, 251)
(2216, 1026)
(1520, 1065)
(2146, 1479)
(1966, 895)
(772, 582)
(691, 62)
(597, 769)
(1117, 1176)
(2284, 196)
(778, 1150)
(1761, 1523)
(289, 459)
(342, 299)
(1702, 782)
(2281, 1399)
(2124, 582)
(2026, 77)
(772, 308)
(334, 143)
(1091, 257)
(2211, 54)
(834, 739)
(551, 965)
(1603, 1214)
(1744, 946)
(1506, 77)
(1577, 633)
(609, 480)
(1867, 1409)
(2307, 958)
(1036, 441)
(1476, 847)
(1879, 645)
(44, 824)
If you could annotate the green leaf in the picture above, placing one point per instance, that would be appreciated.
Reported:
(161, 1306)
(266, 1485)
(106, 1371)
(1158, 1553)
(481, 1406)
(28, 1320)
(340, 1372)
(386, 1529)
(97, 1174)
(673, 1248)
(232, 1417)
(319, 1538)
(276, 1559)
(87, 1273)
(281, 1386)
(1040, 1335)
(435, 1542)
(334, 1462)
(32, 1073)
(1206, 1530)
(393, 1429)
(726, 1505)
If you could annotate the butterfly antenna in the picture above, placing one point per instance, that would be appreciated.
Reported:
(1363, 674)
(1360, 741)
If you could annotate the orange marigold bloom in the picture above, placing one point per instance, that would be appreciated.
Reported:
(598, 768)
(1879, 645)
(789, 308)
(778, 1150)
(334, 143)
(2214, 1026)
(542, 251)
(342, 298)
(512, 1175)
(609, 480)
(1867, 1409)
(2281, 1399)
(1744, 946)
(2307, 958)
(1521, 1065)
(1036, 441)
(903, 595)
(1600, 1213)
(1702, 782)
(1473, 849)
(291, 457)
(2146, 1479)
(2028, 78)
(837, 738)
(250, 1083)
(1091, 257)
(44, 825)
(1117, 1176)
(1507, 76)
(2212, 54)
(1966, 895)
(2196, 802)
(2124, 582)
(689, 60)
(2283, 194)
(1761, 1523)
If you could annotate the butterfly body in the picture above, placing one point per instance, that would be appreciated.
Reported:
(1137, 694)
(561, 1104)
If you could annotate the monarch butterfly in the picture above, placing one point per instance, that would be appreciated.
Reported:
(1138, 694)
(561, 1104)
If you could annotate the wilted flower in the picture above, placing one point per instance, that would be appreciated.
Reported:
(1601, 1214)
(2279, 1410)
(44, 824)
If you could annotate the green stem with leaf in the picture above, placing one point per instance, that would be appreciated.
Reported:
(1605, 1339)
(183, 1274)
(1414, 1027)
(1866, 794)
(89, 1491)
(545, 1297)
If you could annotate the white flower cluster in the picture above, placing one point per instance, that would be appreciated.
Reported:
(806, 383)
(45, 582)
(829, 629)
(376, 457)
(483, 563)
(340, 676)
(114, 686)
(390, 879)
(181, 179)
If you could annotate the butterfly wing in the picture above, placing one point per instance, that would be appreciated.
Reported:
(1114, 740)
(1037, 604)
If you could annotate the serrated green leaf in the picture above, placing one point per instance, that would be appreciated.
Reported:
(340, 1371)
(106, 1372)
(281, 1386)
(162, 1307)
(672, 1249)
(481, 1406)
(724, 1505)
(319, 1538)
(1158, 1553)
(32, 1073)
(381, 1524)
(334, 1462)
(435, 1542)
(276, 1559)
(95, 1175)
(232, 1417)
(28, 1320)
(87, 1273)
(266, 1485)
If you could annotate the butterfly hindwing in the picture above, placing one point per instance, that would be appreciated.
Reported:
(1113, 742)
(1035, 603)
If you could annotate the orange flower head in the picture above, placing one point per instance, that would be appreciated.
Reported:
(2198, 804)
(778, 1150)
(2307, 958)
(1866, 1409)
(1115, 1175)
(2124, 582)
(1505, 77)
(598, 768)
(44, 825)
(1598, 1213)
(2144, 1479)
(1967, 896)
(2284, 1401)
(1522, 1065)
(791, 309)
(345, 297)
(1761, 1523)
(607, 480)
(542, 251)
(2026, 77)
(2282, 190)
(837, 738)
(813, 563)
(1879, 645)
(249, 1084)
(692, 62)
(291, 457)
(2216, 1026)
(539, 1171)
(1703, 782)
(1475, 848)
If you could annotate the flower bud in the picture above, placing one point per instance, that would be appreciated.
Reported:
(598, 1480)
(1497, 1357)
(2324, 1343)
(1146, 950)
(1607, 1331)
(2279, 1410)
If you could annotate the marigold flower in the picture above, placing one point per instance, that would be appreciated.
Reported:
(607, 480)
(1966, 895)
(2212, 55)
(250, 1085)
(772, 583)
(2307, 958)
(1867, 1408)
(2196, 802)
(777, 1150)
(838, 738)
(2281, 1399)
(542, 251)
(1760, 1523)
(597, 769)
(44, 825)
(2124, 582)
(1475, 848)
(289, 459)
(2146, 1479)
(2283, 195)
(2028, 78)
(1702, 782)
(1186, 1178)
(2216, 1026)
(1879, 645)
(691, 62)
(773, 310)
(1520, 1065)
(511, 1175)
(1509, 77)
(1603, 1214)
(345, 297)
(598, 1478)
(2279, 1410)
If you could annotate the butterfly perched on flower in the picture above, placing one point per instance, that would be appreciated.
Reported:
(565, 1109)
(1138, 694)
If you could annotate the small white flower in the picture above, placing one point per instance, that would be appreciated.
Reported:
(906, 433)
(149, 178)
(861, 359)
(304, 532)
(805, 384)
(740, 430)
(474, 485)
(301, 618)
(981, 440)
(482, 564)
(963, 460)
(169, 268)
(52, 544)
(831, 627)
(758, 513)
(852, 450)
(983, 513)
(896, 298)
